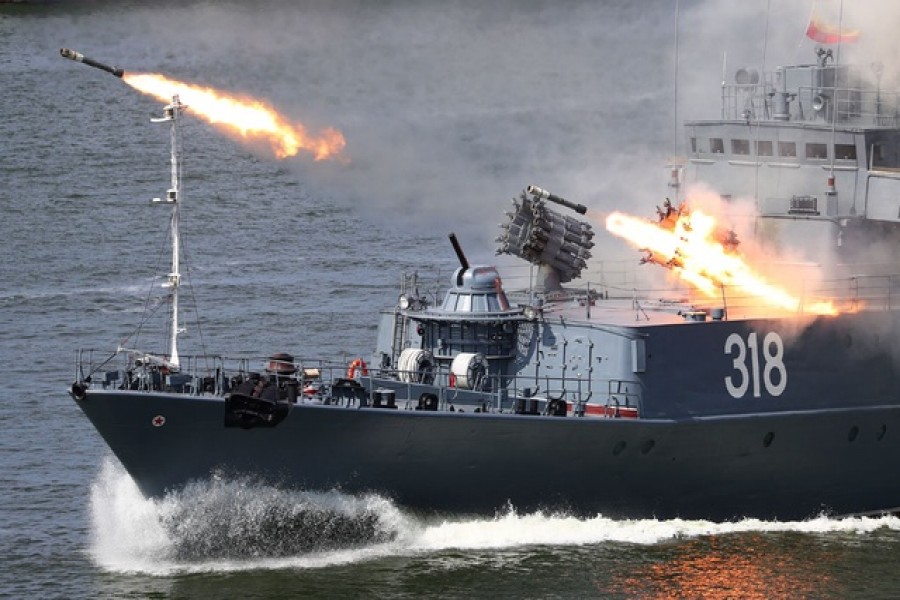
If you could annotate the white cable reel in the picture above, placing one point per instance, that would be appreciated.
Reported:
(470, 370)
(416, 366)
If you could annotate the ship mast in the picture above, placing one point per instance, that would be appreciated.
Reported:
(171, 114)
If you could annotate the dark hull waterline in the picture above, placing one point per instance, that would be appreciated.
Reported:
(783, 466)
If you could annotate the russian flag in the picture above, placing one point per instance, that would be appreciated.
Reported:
(825, 33)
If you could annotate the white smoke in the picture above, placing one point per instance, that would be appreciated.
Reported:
(450, 109)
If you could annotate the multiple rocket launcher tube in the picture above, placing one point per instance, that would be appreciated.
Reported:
(541, 194)
(545, 237)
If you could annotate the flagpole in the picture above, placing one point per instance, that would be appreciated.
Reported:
(677, 124)
(812, 12)
(763, 70)
(834, 95)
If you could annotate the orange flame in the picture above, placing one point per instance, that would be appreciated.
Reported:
(692, 251)
(245, 118)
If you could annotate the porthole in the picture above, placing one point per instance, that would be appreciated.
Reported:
(618, 448)
(647, 446)
(851, 435)
(767, 441)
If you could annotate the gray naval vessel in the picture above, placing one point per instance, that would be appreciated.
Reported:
(564, 396)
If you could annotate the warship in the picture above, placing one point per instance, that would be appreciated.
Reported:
(568, 397)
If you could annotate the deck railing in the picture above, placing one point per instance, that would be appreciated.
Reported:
(217, 375)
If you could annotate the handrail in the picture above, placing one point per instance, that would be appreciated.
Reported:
(500, 392)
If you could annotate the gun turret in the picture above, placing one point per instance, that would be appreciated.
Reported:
(542, 194)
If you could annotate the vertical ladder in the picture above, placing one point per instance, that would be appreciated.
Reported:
(401, 323)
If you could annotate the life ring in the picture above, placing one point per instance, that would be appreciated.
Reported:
(357, 365)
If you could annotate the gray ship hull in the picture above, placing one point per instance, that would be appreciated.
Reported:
(773, 466)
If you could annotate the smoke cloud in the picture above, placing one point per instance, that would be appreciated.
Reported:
(450, 109)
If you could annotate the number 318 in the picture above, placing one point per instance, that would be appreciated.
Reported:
(772, 354)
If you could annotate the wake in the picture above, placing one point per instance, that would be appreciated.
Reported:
(236, 525)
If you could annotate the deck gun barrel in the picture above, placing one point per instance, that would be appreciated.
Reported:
(543, 194)
(459, 252)
(79, 57)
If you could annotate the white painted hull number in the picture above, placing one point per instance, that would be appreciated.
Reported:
(746, 358)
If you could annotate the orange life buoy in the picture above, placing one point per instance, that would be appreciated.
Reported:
(357, 365)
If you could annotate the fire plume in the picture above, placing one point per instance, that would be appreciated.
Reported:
(244, 118)
(691, 249)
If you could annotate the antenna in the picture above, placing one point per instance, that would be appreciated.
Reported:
(675, 77)
(171, 114)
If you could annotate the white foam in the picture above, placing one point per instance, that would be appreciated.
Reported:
(127, 534)
(130, 535)
(513, 530)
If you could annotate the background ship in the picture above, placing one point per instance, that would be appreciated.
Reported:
(578, 398)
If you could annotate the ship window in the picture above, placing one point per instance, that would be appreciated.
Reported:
(764, 148)
(479, 303)
(787, 149)
(816, 150)
(694, 145)
(450, 301)
(845, 151)
(740, 146)
(884, 155)
(464, 303)
(716, 146)
(502, 301)
(493, 303)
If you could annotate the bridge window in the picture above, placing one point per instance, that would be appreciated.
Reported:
(817, 151)
(716, 146)
(787, 149)
(495, 304)
(763, 148)
(740, 147)
(845, 151)
(884, 155)
(694, 145)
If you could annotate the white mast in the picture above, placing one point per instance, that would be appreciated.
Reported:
(171, 113)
